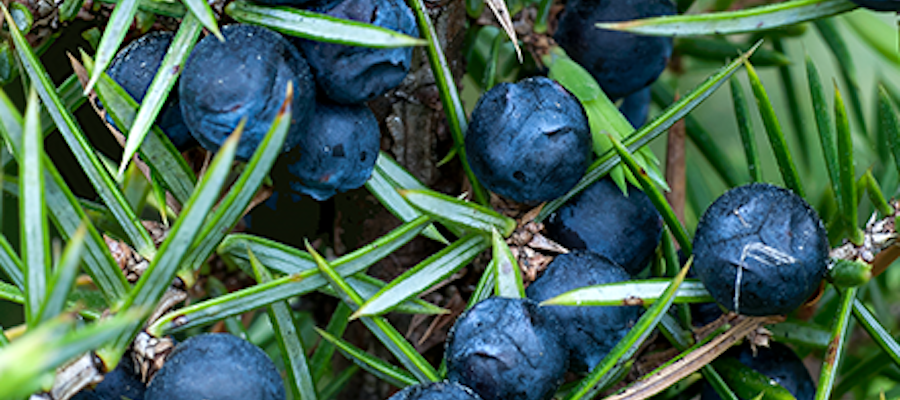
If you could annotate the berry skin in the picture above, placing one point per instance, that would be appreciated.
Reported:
(506, 349)
(588, 332)
(353, 75)
(244, 77)
(121, 382)
(133, 69)
(880, 5)
(636, 107)
(778, 362)
(338, 152)
(604, 221)
(773, 237)
(436, 391)
(217, 366)
(622, 63)
(529, 141)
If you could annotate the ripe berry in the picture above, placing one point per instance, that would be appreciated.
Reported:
(625, 229)
(589, 333)
(133, 69)
(622, 63)
(353, 75)
(529, 141)
(760, 250)
(778, 362)
(217, 366)
(338, 152)
(244, 77)
(506, 349)
(436, 391)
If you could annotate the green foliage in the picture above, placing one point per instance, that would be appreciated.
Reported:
(55, 234)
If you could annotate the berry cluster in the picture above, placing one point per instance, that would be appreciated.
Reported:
(334, 138)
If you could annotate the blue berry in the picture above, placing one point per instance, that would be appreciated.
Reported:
(244, 77)
(529, 141)
(636, 107)
(338, 152)
(880, 5)
(217, 366)
(625, 229)
(121, 382)
(506, 349)
(133, 69)
(622, 63)
(762, 245)
(589, 333)
(778, 362)
(436, 391)
(352, 75)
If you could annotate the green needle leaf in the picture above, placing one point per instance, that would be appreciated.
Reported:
(63, 277)
(202, 12)
(847, 172)
(506, 267)
(319, 27)
(756, 19)
(34, 236)
(776, 136)
(835, 42)
(165, 79)
(656, 197)
(379, 326)
(880, 36)
(292, 352)
(649, 131)
(745, 127)
(172, 9)
(387, 178)
(793, 102)
(453, 108)
(81, 148)
(887, 116)
(835, 352)
(321, 359)
(66, 211)
(485, 287)
(643, 292)
(424, 275)
(459, 212)
(113, 35)
(889, 346)
(629, 345)
(825, 127)
(374, 365)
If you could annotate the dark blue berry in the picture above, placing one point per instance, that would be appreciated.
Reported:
(120, 383)
(436, 391)
(133, 69)
(244, 77)
(217, 366)
(529, 141)
(762, 245)
(625, 229)
(589, 333)
(506, 349)
(622, 63)
(352, 75)
(338, 152)
(880, 5)
(778, 362)
(636, 107)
